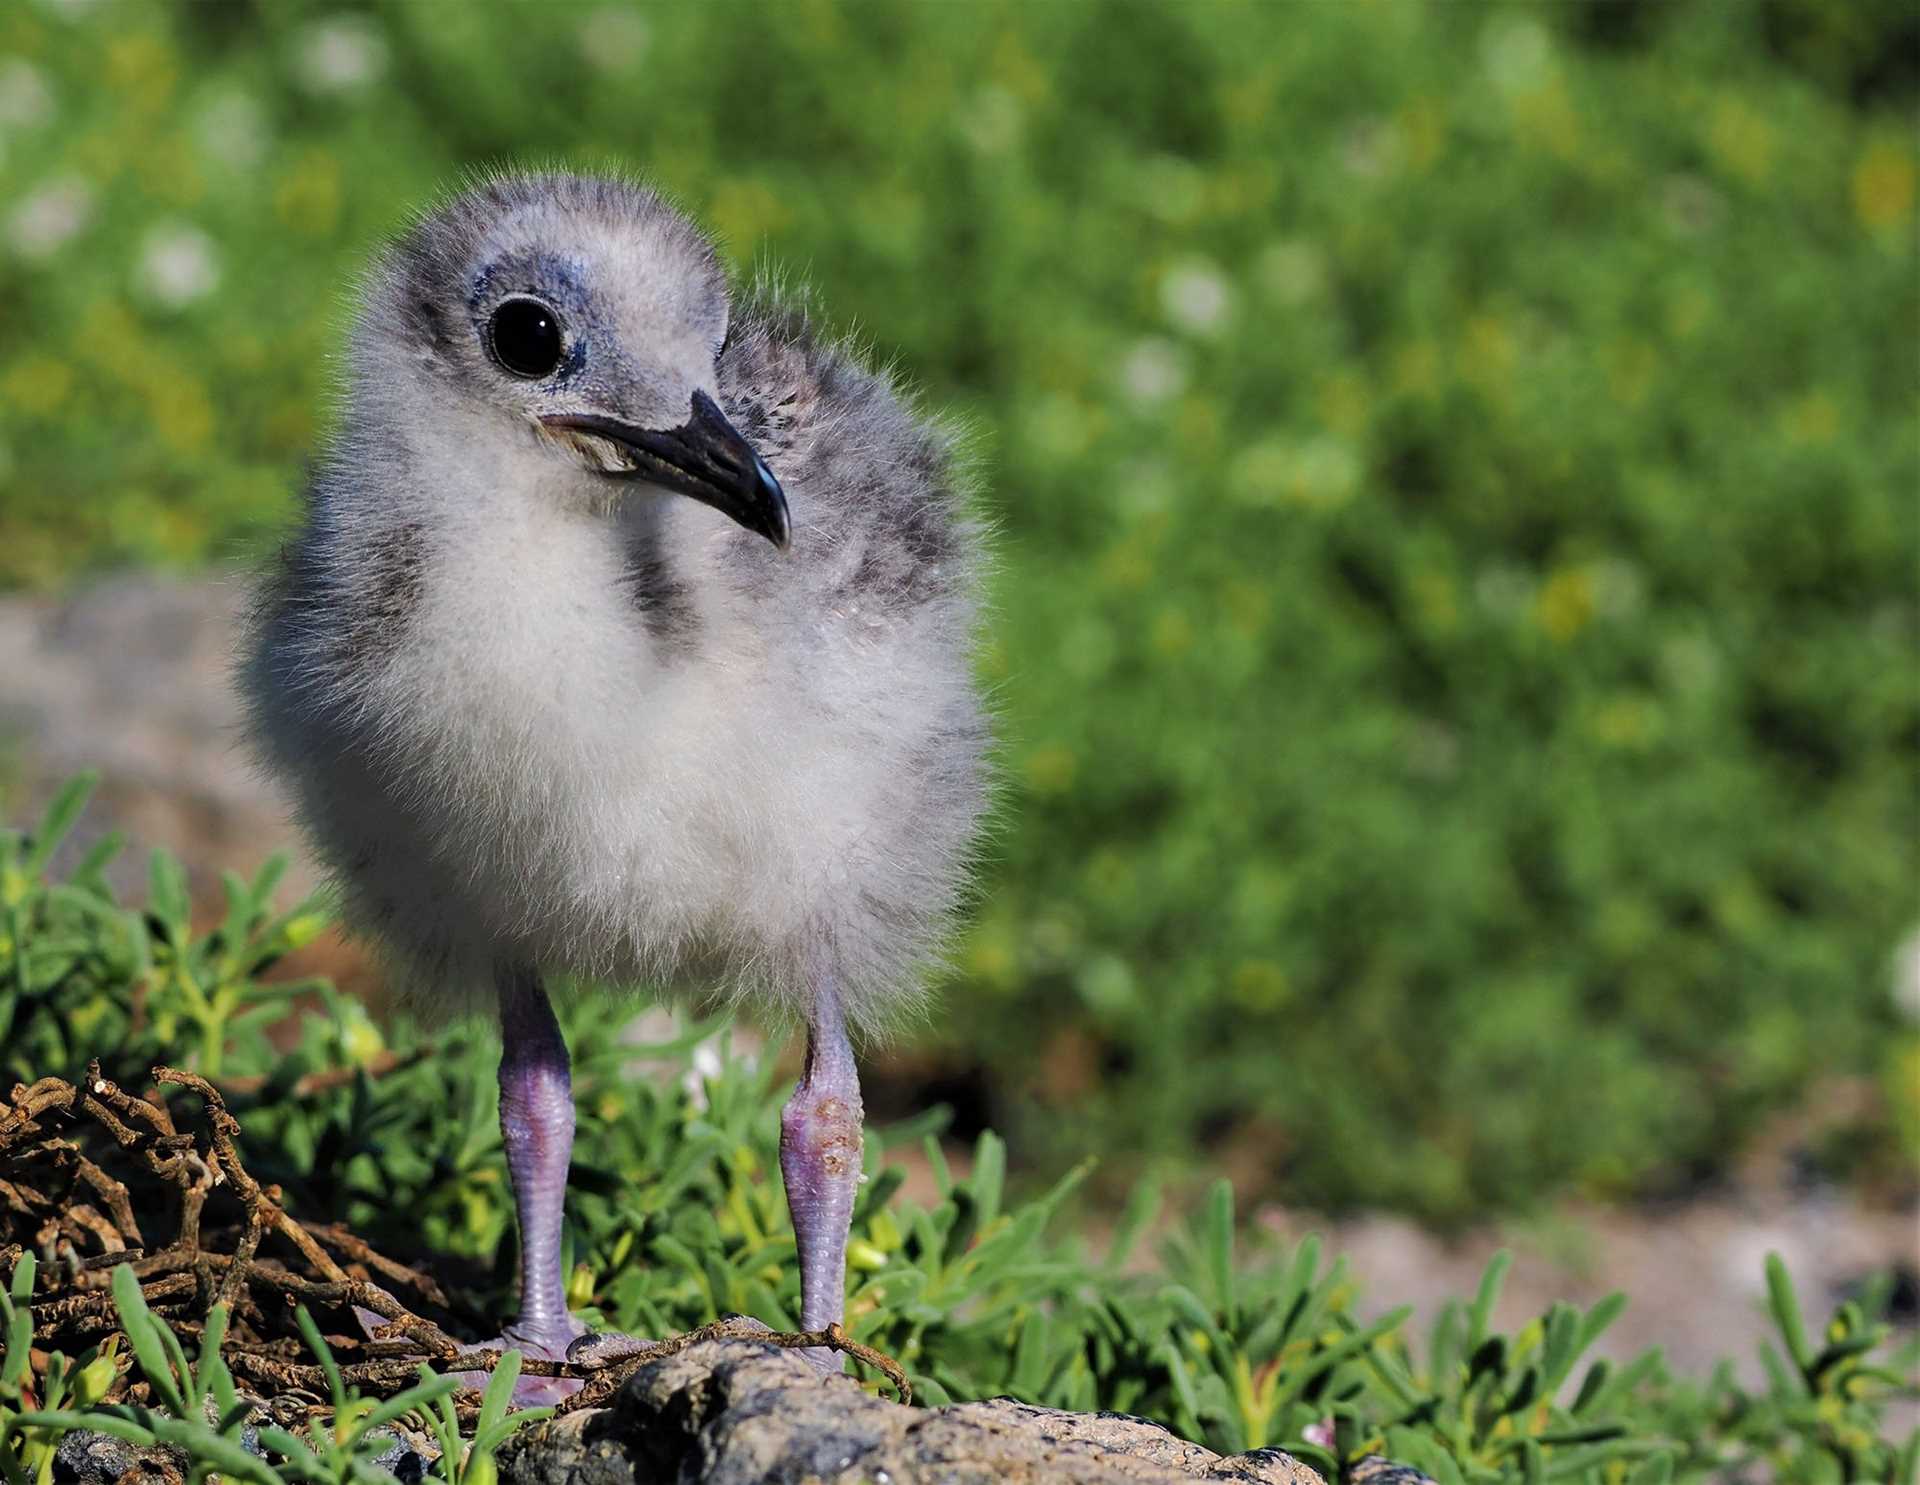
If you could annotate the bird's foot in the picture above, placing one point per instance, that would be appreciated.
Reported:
(548, 1342)
(823, 1359)
(598, 1348)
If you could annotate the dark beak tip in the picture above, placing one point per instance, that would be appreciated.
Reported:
(706, 458)
(780, 519)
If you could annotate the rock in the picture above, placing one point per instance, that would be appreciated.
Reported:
(741, 1413)
(84, 1457)
(408, 1454)
(1377, 1471)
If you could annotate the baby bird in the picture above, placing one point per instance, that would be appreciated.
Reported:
(627, 635)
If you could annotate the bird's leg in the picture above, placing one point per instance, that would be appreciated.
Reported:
(820, 1161)
(536, 1125)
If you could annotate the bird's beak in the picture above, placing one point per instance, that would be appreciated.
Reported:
(705, 457)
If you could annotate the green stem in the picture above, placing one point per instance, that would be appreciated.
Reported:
(213, 1044)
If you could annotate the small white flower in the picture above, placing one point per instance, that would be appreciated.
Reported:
(1326, 471)
(1155, 370)
(1432, 750)
(704, 1064)
(1906, 976)
(232, 129)
(1517, 52)
(1503, 590)
(991, 120)
(340, 55)
(1173, 189)
(1147, 487)
(1690, 663)
(1371, 148)
(25, 98)
(1194, 297)
(1293, 270)
(50, 217)
(1691, 204)
(614, 39)
(1619, 592)
(178, 264)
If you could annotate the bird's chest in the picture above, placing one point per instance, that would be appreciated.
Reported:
(564, 745)
(526, 647)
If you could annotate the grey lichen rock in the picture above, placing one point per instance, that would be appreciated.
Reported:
(738, 1413)
(84, 1457)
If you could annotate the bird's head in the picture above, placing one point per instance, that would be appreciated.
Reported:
(566, 330)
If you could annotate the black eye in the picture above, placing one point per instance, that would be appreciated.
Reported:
(525, 336)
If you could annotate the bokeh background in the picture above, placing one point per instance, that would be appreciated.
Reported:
(1457, 476)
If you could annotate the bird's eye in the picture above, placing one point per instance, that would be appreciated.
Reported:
(525, 337)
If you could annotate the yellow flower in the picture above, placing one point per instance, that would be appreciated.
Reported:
(1014, 68)
(1052, 769)
(991, 958)
(1110, 876)
(1565, 604)
(1433, 594)
(1883, 184)
(141, 72)
(1416, 369)
(1815, 418)
(1423, 131)
(1631, 365)
(308, 199)
(1342, 402)
(1248, 606)
(181, 412)
(37, 385)
(744, 211)
(1546, 115)
(1741, 140)
(1627, 721)
(1172, 633)
(1127, 565)
(1489, 353)
(1259, 984)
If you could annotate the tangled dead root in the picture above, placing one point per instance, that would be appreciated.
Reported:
(79, 1219)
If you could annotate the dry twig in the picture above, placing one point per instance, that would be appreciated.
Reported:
(43, 1174)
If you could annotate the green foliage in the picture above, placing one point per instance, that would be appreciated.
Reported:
(1454, 622)
(78, 1384)
(469, 1460)
(676, 1218)
(201, 1414)
(74, 956)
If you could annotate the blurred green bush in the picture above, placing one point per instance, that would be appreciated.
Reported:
(1456, 467)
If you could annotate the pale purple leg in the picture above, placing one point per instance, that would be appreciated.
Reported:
(536, 1125)
(820, 1160)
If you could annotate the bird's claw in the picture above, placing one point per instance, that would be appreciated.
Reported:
(597, 1348)
(540, 1342)
(823, 1359)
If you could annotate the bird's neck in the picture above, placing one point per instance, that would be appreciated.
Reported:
(522, 551)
